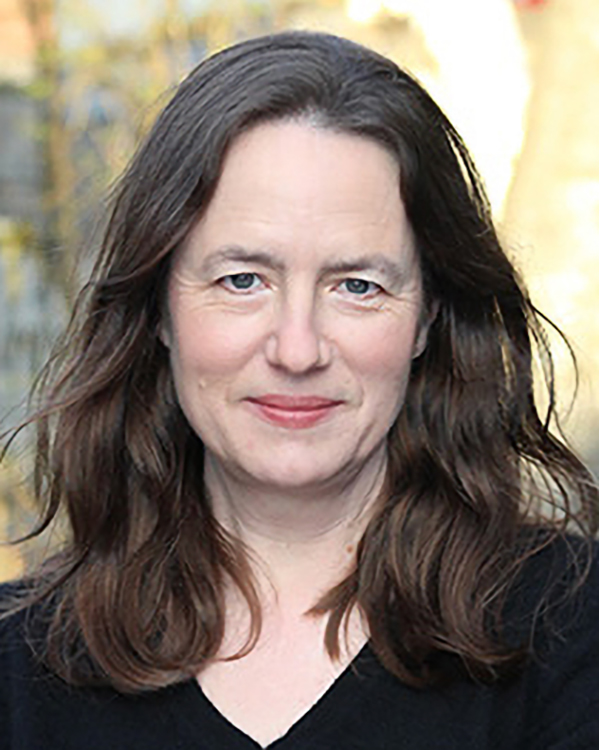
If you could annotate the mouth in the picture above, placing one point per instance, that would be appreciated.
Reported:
(293, 412)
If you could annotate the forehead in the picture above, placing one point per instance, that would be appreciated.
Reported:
(293, 186)
(291, 154)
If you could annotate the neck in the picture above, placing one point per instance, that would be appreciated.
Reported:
(297, 515)
(301, 537)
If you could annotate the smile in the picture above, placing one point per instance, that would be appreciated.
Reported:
(293, 412)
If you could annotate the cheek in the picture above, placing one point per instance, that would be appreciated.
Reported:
(382, 355)
(211, 345)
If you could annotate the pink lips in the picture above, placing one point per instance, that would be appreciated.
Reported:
(295, 412)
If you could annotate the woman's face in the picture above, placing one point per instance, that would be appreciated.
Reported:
(296, 307)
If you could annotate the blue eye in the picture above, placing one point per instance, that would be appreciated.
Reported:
(360, 287)
(240, 282)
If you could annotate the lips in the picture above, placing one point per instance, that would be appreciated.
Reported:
(294, 412)
(295, 403)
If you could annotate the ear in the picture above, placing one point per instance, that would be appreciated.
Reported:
(163, 331)
(427, 318)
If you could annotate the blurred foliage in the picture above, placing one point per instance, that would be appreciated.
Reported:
(15, 238)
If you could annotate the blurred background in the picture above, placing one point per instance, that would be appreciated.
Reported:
(81, 80)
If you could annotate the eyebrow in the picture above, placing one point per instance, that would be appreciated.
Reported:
(236, 253)
(375, 262)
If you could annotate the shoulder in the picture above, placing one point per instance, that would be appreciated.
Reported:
(552, 613)
(16, 651)
(13, 612)
(40, 710)
(23, 628)
(18, 665)
(555, 590)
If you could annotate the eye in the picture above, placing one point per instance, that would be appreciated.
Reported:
(360, 287)
(241, 282)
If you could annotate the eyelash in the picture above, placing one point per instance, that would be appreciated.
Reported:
(376, 288)
(227, 283)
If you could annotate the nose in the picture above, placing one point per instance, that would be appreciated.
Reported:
(297, 343)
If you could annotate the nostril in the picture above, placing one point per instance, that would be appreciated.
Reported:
(297, 351)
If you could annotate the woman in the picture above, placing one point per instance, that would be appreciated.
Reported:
(311, 502)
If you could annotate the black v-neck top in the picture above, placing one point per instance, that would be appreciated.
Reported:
(552, 705)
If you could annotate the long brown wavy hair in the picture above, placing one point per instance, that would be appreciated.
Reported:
(135, 598)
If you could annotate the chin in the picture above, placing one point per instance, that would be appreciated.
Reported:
(296, 472)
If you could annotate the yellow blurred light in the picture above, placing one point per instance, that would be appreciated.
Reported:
(362, 11)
